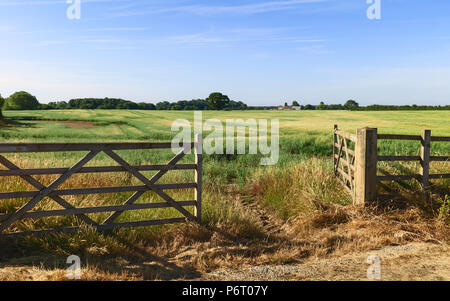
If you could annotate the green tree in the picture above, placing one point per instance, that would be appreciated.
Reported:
(21, 101)
(2, 101)
(351, 105)
(321, 106)
(295, 103)
(217, 100)
(164, 105)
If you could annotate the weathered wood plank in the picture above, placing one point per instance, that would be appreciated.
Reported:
(120, 208)
(399, 137)
(346, 135)
(43, 193)
(128, 202)
(336, 166)
(439, 176)
(198, 147)
(440, 139)
(344, 174)
(366, 166)
(349, 167)
(346, 187)
(335, 142)
(149, 184)
(398, 158)
(99, 169)
(349, 150)
(97, 190)
(40, 186)
(172, 162)
(352, 167)
(440, 158)
(69, 147)
(425, 157)
(397, 178)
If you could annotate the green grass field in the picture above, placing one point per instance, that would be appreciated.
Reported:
(144, 125)
(302, 132)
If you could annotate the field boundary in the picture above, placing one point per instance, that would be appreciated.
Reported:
(359, 174)
(93, 149)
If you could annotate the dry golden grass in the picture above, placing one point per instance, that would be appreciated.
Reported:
(280, 216)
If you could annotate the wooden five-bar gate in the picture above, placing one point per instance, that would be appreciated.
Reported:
(344, 158)
(356, 156)
(93, 149)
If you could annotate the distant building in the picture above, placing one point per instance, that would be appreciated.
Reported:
(289, 108)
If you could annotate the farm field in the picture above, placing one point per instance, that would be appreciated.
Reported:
(290, 212)
(156, 125)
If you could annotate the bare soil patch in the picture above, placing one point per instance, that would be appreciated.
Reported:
(79, 124)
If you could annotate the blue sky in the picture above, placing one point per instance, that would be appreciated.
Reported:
(260, 52)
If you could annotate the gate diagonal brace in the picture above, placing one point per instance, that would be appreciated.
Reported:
(47, 190)
(38, 185)
(149, 184)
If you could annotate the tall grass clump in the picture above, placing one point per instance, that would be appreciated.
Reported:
(298, 189)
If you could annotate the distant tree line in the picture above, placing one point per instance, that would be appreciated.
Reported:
(215, 101)
(354, 106)
(349, 105)
(97, 103)
(402, 108)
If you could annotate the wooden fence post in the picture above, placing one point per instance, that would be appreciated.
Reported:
(366, 165)
(425, 157)
(334, 146)
(198, 146)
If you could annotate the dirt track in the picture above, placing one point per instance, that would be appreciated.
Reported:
(421, 261)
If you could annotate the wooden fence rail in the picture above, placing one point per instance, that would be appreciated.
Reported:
(362, 171)
(93, 149)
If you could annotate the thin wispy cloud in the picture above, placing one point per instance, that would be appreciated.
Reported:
(28, 3)
(51, 2)
(80, 41)
(242, 35)
(119, 29)
(53, 43)
(243, 9)
(315, 50)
